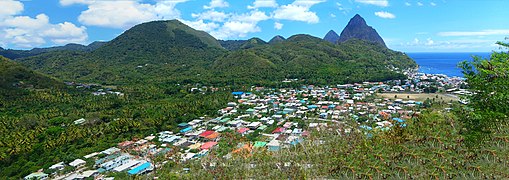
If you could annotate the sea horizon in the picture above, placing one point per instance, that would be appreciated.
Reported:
(444, 62)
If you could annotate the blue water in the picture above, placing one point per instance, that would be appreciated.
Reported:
(443, 63)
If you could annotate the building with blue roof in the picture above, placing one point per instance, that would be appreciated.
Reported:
(187, 129)
(182, 125)
(140, 169)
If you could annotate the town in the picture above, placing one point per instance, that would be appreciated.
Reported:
(268, 119)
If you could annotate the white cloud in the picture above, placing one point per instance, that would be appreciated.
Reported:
(71, 2)
(381, 3)
(278, 26)
(212, 16)
(125, 14)
(200, 25)
(27, 32)
(448, 45)
(263, 3)
(433, 4)
(216, 4)
(488, 32)
(9, 8)
(233, 25)
(408, 4)
(332, 15)
(253, 16)
(385, 15)
(298, 11)
(420, 4)
(429, 42)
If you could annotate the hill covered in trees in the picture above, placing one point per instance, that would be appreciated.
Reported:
(170, 51)
(15, 77)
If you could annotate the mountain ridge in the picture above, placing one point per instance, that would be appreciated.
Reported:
(162, 51)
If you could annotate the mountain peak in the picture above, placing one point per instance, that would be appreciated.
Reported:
(277, 39)
(357, 28)
(331, 36)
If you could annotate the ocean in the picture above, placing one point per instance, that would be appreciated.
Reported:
(443, 63)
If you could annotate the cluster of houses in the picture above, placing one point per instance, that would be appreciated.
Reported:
(282, 118)
(114, 159)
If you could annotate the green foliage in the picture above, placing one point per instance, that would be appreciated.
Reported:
(488, 106)
(170, 52)
(37, 129)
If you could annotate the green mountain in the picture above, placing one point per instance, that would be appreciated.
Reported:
(232, 45)
(314, 59)
(170, 51)
(14, 77)
(253, 42)
(277, 39)
(147, 52)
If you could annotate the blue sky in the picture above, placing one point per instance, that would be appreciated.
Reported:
(405, 25)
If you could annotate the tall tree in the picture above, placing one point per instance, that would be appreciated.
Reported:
(488, 106)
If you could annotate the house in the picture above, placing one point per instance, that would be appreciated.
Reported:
(259, 144)
(129, 164)
(89, 174)
(208, 145)
(79, 121)
(115, 162)
(91, 155)
(58, 166)
(145, 167)
(110, 151)
(243, 130)
(187, 129)
(206, 133)
(183, 125)
(278, 130)
(77, 163)
(234, 123)
(254, 125)
(36, 175)
(274, 145)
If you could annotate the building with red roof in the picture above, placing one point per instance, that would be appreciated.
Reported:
(242, 130)
(206, 133)
(278, 130)
(208, 145)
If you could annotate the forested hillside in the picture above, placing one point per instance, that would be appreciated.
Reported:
(169, 51)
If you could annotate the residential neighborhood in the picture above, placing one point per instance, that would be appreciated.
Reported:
(270, 119)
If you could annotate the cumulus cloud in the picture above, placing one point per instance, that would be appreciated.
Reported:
(27, 32)
(263, 3)
(278, 26)
(9, 8)
(381, 3)
(217, 4)
(407, 4)
(385, 15)
(433, 4)
(420, 4)
(298, 11)
(211, 16)
(487, 32)
(124, 14)
(228, 25)
(201, 25)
